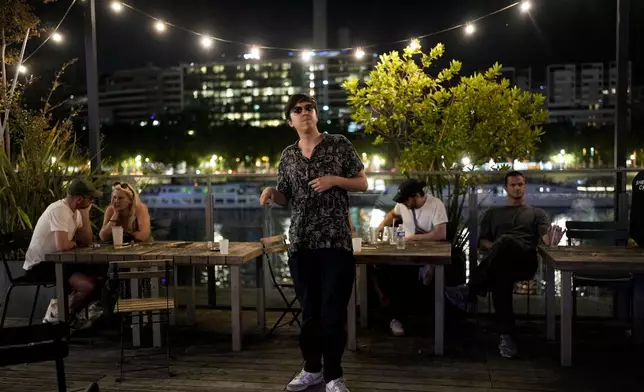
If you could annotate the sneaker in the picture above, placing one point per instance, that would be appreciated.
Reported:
(507, 347)
(304, 380)
(336, 385)
(51, 315)
(458, 296)
(94, 312)
(396, 328)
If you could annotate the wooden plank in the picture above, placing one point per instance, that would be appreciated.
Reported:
(143, 304)
(271, 240)
(415, 252)
(595, 259)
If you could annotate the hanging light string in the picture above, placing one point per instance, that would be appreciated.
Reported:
(55, 35)
(207, 39)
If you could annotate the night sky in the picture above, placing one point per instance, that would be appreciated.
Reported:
(557, 31)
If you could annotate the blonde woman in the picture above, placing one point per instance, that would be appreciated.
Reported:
(128, 211)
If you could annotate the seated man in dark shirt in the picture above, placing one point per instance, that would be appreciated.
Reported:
(510, 235)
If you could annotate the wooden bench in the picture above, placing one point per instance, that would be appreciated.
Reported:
(38, 343)
(599, 233)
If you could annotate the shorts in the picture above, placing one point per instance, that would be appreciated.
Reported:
(46, 272)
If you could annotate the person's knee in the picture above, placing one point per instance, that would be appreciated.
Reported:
(83, 283)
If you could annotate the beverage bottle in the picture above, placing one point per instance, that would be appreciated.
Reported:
(400, 237)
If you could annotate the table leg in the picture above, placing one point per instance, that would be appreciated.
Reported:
(261, 292)
(363, 286)
(136, 316)
(175, 288)
(638, 308)
(156, 320)
(61, 294)
(235, 304)
(566, 318)
(439, 309)
(192, 298)
(550, 302)
(352, 343)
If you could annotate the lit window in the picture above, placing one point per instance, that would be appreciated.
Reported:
(286, 66)
(287, 83)
(256, 67)
(203, 70)
(312, 92)
(284, 98)
(265, 75)
(268, 91)
(291, 91)
(230, 93)
(248, 83)
(312, 76)
(247, 99)
(195, 94)
(247, 67)
(255, 92)
(312, 84)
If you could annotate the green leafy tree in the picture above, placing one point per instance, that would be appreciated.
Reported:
(439, 121)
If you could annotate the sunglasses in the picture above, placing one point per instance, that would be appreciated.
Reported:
(123, 186)
(299, 109)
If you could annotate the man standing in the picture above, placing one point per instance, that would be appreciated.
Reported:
(510, 236)
(63, 226)
(424, 219)
(314, 177)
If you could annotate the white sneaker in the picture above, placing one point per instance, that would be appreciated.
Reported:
(304, 380)
(507, 347)
(51, 315)
(94, 311)
(336, 385)
(396, 328)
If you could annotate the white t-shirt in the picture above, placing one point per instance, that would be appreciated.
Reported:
(57, 217)
(428, 216)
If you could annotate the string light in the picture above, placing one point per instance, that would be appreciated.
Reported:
(207, 42)
(414, 44)
(360, 53)
(526, 6)
(22, 69)
(116, 6)
(306, 55)
(57, 37)
(160, 26)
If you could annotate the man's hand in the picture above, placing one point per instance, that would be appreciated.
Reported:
(555, 233)
(85, 211)
(266, 197)
(323, 184)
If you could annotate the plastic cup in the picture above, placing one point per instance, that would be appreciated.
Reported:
(117, 235)
(357, 245)
(223, 247)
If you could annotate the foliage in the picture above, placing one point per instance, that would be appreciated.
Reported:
(435, 119)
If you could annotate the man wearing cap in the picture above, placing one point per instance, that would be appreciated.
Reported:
(63, 226)
(424, 219)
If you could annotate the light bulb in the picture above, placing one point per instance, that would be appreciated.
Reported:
(470, 29)
(306, 55)
(22, 69)
(414, 44)
(360, 53)
(57, 37)
(206, 42)
(255, 52)
(116, 6)
(526, 6)
(160, 26)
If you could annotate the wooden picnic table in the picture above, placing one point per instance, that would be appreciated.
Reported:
(192, 254)
(584, 259)
(417, 253)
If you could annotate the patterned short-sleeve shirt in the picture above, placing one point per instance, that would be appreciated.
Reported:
(318, 220)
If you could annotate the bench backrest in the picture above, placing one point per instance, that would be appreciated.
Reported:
(606, 232)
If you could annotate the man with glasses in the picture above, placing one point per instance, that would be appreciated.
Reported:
(315, 175)
(63, 226)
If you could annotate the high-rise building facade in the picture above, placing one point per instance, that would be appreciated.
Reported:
(135, 95)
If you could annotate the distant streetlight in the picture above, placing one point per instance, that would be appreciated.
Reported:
(306, 55)
(22, 69)
(116, 6)
(360, 53)
(206, 42)
(57, 37)
(470, 29)
(414, 44)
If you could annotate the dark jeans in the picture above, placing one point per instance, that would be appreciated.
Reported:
(323, 280)
(506, 263)
(401, 286)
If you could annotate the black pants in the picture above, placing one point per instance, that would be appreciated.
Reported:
(507, 262)
(323, 280)
(401, 286)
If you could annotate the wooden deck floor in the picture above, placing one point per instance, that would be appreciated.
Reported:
(604, 361)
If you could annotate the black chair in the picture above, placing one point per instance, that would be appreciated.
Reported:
(13, 247)
(272, 245)
(40, 343)
(599, 233)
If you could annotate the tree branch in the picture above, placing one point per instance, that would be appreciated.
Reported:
(7, 146)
